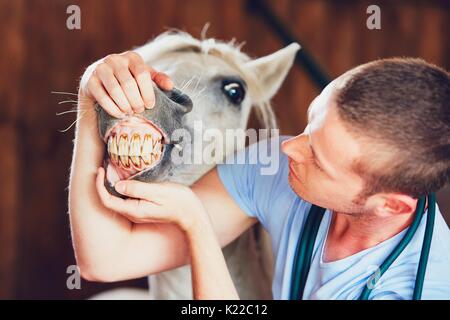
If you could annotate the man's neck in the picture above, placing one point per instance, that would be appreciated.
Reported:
(349, 234)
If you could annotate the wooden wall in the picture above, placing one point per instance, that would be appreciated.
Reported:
(40, 55)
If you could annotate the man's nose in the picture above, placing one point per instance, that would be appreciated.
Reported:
(294, 147)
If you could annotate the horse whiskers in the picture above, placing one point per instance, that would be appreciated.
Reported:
(62, 92)
(198, 94)
(71, 125)
(183, 85)
(80, 98)
(188, 83)
(66, 112)
(68, 101)
(198, 82)
(82, 114)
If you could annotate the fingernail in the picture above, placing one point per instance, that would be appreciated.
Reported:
(169, 83)
(119, 187)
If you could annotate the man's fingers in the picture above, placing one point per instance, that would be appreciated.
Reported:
(134, 57)
(123, 84)
(136, 189)
(106, 198)
(135, 210)
(139, 70)
(112, 86)
(144, 80)
(100, 95)
(131, 89)
(164, 81)
(111, 202)
(161, 79)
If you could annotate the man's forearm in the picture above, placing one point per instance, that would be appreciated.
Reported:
(97, 232)
(109, 247)
(211, 279)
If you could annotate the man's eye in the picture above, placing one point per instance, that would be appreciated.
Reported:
(234, 91)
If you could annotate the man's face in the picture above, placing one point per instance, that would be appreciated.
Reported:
(321, 158)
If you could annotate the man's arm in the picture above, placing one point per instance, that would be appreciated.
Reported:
(107, 246)
(211, 279)
(150, 202)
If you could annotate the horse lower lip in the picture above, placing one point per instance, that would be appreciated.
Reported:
(118, 171)
(134, 164)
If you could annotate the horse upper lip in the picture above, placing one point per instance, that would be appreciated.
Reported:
(137, 124)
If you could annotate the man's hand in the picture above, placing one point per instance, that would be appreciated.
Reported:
(154, 202)
(122, 84)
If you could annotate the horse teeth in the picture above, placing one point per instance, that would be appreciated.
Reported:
(114, 159)
(158, 146)
(125, 160)
(109, 145)
(146, 159)
(147, 145)
(138, 150)
(136, 161)
(123, 145)
(135, 146)
(112, 150)
(112, 145)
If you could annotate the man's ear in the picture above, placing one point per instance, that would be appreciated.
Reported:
(271, 70)
(395, 204)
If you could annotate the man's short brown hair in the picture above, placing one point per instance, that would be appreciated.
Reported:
(400, 107)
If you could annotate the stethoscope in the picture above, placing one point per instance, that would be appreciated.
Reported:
(305, 246)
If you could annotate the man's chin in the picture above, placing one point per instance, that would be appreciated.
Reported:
(300, 191)
(293, 183)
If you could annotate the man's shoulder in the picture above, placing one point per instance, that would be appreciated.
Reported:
(441, 239)
(437, 278)
(439, 256)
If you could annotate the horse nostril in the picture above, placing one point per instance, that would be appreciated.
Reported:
(183, 102)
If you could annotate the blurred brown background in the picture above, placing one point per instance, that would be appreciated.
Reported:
(39, 55)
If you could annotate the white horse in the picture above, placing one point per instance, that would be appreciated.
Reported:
(203, 70)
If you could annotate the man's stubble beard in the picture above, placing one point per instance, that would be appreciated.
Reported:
(355, 209)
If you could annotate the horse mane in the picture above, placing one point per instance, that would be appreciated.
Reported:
(179, 41)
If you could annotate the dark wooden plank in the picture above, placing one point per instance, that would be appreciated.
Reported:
(13, 55)
(9, 205)
(11, 164)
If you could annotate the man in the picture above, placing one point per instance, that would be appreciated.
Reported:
(378, 138)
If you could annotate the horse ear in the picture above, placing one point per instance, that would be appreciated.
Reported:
(271, 70)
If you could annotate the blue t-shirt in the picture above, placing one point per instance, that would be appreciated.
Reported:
(271, 200)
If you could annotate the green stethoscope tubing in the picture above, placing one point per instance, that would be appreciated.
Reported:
(305, 246)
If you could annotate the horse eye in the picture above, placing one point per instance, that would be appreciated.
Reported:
(234, 91)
